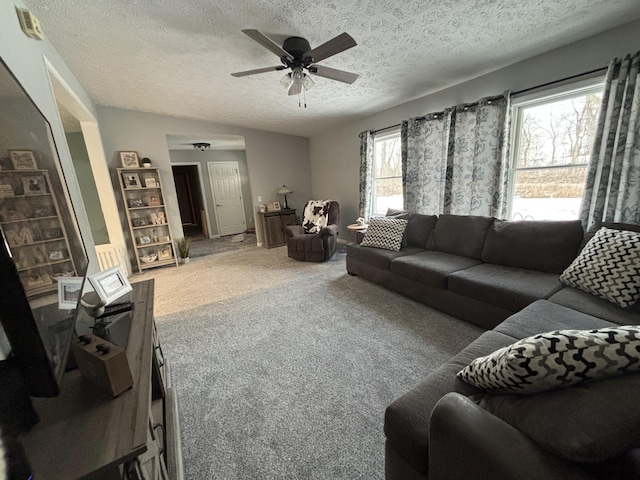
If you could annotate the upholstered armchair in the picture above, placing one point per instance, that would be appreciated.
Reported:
(316, 240)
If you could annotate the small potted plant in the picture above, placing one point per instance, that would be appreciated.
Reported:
(182, 246)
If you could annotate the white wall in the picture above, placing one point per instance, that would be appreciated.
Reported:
(334, 155)
(272, 159)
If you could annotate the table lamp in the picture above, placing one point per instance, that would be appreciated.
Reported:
(285, 191)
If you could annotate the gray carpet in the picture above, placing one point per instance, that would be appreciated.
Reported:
(291, 381)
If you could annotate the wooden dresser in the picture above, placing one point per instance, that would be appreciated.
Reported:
(84, 433)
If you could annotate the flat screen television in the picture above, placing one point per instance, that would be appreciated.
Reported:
(40, 243)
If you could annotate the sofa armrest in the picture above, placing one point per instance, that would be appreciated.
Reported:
(466, 441)
(329, 230)
(293, 230)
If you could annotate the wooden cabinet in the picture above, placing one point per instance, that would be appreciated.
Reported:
(147, 217)
(31, 221)
(272, 226)
(84, 433)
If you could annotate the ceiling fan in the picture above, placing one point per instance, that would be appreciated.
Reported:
(296, 54)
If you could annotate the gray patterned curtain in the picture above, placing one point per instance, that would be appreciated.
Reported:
(366, 173)
(612, 191)
(424, 143)
(457, 161)
(479, 158)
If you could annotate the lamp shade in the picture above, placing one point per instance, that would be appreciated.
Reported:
(284, 190)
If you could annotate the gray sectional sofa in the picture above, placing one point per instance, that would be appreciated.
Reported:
(502, 276)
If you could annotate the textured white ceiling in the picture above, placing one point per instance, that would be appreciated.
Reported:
(175, 57)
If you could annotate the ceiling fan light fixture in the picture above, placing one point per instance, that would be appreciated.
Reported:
(202, 146)
(286, 81)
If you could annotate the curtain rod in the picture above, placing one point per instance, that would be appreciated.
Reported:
(386, 128)
(524, 90)
(571, 77)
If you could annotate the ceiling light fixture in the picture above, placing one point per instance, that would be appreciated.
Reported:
(202, 146)
(297, 82)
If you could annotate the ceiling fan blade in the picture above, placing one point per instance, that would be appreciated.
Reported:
(336, 45)
(267, 43)
(258, 70)
(295, 88)
(333, 74)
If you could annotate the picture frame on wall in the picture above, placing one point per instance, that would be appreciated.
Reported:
(129, 159)
(131, 180)
(23, 159)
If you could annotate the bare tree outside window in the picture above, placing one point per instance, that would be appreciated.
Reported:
(552, 152)
(387, 183)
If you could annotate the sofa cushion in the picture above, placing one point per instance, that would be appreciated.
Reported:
(506, 287)
(385, 233)
(544, 316)
(431, 268)
(556, 359)
(460, 234)
(608, 266)
(406, 423)
(546, 246)
(584, 302)
(419, 228)
(585, 423)
(378, 257)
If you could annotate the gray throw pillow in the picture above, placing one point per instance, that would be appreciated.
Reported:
(556, 359)
(384, 233)
(591, 422)
(608, 267)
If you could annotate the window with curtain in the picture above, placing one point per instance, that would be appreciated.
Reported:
(551, 146)
(387, 172)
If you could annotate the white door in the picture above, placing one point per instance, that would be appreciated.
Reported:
(227, 197)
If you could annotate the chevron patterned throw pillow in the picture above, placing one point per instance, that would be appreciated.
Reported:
(385, 233)
(556, 359)
(608, 266)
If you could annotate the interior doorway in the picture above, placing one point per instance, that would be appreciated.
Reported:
(190, 200)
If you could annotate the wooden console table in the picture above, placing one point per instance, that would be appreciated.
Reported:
(272, 226)
(84, 433)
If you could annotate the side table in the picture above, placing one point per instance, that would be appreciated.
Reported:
(354, 228)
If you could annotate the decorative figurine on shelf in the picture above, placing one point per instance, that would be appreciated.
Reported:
(146, 162)
(285, 191)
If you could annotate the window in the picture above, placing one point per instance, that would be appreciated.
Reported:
(552, 144)
(387, 173)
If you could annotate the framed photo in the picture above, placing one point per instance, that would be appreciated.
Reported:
(34, 185)
(110, 284)
(135, 202)
(153, 200)
(6, 190)
(150, 182)
(276, 206)
(164, 253)
(69, 290)
(131, 180)
(23, 160)
(129, 159)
